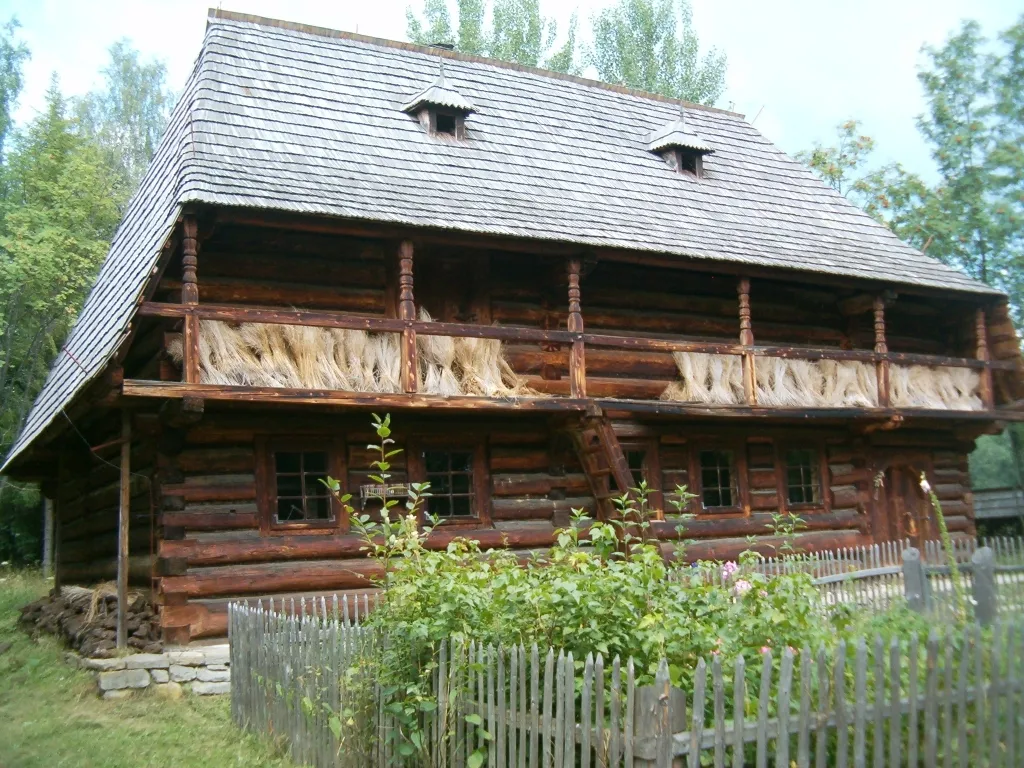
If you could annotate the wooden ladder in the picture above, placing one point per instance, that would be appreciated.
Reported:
(603, 462)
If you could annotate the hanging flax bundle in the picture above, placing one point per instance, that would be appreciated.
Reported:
(306, 357)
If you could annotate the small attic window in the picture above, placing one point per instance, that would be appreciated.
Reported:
(446, 124)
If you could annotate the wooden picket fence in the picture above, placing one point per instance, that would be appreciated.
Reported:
(949, 699)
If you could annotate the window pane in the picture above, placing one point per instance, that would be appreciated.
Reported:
(461, 506)
(289, 510)
(287, 461)
(315, 461)
(289, 485)
(716, 479)
(441, 506)
(318, 508)
(440, 485)
(802, 478)
(314, 485)
(462, 462)
(436, 461)
(460, 483)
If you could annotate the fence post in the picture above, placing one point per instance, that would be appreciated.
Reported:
(985, 599)
(915, 582)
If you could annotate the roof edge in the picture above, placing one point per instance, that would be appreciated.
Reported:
(217, 13)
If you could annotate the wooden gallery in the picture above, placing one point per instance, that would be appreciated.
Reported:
(556, 287)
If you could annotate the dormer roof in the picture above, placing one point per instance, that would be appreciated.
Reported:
(439, 94)
(675, 135)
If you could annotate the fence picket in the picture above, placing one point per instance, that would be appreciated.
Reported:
(762, 709)
(615, 705)
(803, 755)
(697, 714)
(915, 702)
(785, 681)
(895, 703)
(820, 726)
(586, 702)
(878, 705)
(931, 700)
(946, 733)
(839, 686)
(739, 705)
(860, 671)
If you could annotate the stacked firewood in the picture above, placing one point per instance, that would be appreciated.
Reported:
(86, 619)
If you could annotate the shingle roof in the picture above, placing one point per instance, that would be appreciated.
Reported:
(291, 118)
(677, 134)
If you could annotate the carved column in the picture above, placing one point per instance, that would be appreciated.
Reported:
(407, 312)
(577, 362)
(190, 297)
(881, 348)
(981, 337)
(747, 340)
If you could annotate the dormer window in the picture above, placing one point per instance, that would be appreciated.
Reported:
(441, 109)
(683, 150)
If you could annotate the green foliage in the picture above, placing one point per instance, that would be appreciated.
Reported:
(127, 117)
(996, 460)
(517, 32)
(652, 45)
(973, 217)
(20, 525)
(13, 56)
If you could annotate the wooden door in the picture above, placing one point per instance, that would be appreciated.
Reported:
(908, 510)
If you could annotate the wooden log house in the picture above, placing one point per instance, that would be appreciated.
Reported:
(556, 287)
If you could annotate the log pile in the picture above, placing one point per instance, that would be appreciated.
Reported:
(86, 620)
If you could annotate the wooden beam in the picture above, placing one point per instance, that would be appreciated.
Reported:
(577, 354)
(981, 338)
(190, 297)
(882, 350)
(747, 341)
(407, 313)
(209, 392)
(122, 530)
(47, 537)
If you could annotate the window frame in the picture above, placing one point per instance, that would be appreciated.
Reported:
(821, 475)
(266, 482)
(650, 468)
(480, 513)
(741, 471)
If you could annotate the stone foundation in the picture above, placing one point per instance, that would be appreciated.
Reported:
(202, 671)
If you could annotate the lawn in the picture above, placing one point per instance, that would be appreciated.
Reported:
(50, 714)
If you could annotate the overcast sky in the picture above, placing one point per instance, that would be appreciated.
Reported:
(795, 67)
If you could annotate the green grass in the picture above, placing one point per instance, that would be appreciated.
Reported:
(50, 714)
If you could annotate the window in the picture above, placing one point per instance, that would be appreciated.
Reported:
(458, 476)
(803, 476)
(301, 494)
(445, 124)
(636, 459)
(450, 474)
(718, 480)
(289, 483)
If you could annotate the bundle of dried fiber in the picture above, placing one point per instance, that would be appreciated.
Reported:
(359, 372)
(776, 385)
(706, 378)
(437, 362)
(383, 360)
(485, 371)
(335, 360)
(849, 384)
(307, 346)
(920, 386)
(276, 368)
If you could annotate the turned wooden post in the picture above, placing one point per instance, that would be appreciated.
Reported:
(190, 297)
(407, 312)
(747, 340)
(981, 337)
(122, 530)
(881, 348)
(577, 361)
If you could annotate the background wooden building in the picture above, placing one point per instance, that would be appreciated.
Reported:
(556, 287)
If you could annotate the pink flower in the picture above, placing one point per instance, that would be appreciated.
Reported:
(729, 569)
(763, 593)
(715, 652)
(765, 649)
(741, 587)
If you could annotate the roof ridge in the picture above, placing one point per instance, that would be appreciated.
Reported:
(337, 34)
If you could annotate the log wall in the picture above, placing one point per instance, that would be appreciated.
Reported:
(211, 548)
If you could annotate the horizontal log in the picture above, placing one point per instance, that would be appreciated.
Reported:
(140, 571)
(654, 407)
(235, 460)
(212, 488)
(245, 549)
(537, 484)
(170, 389)
(228, 290)
(519, 459)
(849, 496)
(633, 389)
(626, 363)
(769, 546)
(538, 509)
(273, 577)
(758, 523)
(215, 517)
(337, 270)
